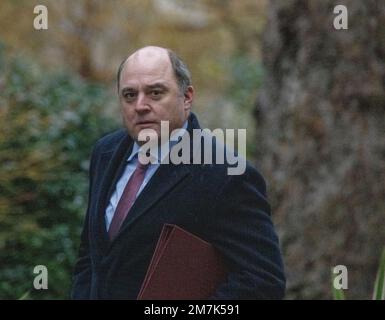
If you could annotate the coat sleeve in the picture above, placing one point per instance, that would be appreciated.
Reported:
(242, 230)
(81, 281)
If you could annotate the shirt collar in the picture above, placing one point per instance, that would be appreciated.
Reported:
(154, 154)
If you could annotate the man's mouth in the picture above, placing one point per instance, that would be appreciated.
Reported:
(141, 123)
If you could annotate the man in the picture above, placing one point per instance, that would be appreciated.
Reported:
(130, 202)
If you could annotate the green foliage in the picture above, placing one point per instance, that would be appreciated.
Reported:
(379, 284)
(338, 294)
(48, 124)
(246, 77)
(25, 296)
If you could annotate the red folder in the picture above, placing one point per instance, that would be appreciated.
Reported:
(183, 267)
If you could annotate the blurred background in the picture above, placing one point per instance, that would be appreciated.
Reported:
(312, 99)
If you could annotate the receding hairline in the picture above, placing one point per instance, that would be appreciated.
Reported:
(147, 49)
(136, 54)
(175, 61)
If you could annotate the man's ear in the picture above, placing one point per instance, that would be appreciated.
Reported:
(188, 97)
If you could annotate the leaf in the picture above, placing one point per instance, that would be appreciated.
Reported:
(338, 294)
(25, 296)
(379, 284)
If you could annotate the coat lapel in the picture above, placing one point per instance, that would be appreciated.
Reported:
(114, 162)
(162, 182)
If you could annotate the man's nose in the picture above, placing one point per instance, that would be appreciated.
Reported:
(142, 103)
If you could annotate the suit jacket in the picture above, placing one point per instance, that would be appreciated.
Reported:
(229, 211)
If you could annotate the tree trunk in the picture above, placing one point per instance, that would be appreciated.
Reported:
(321, 138)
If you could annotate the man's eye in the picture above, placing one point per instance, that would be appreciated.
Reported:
(156, 93)
(129, 95)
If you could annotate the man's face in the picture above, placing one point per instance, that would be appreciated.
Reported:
(149, 93)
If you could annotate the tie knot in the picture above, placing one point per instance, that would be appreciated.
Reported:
(141, 166)
(144, 160)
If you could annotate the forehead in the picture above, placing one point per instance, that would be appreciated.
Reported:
(147, 67)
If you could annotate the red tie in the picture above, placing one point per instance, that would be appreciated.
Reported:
(127, 199)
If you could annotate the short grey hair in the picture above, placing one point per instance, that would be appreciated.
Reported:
(181, 71)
